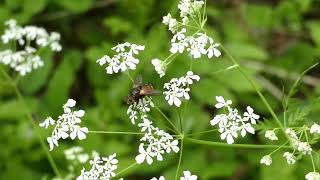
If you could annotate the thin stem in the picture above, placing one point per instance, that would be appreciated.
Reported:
(204, 132)
(311, 157)
(116, 132)
(127, 168)
(180, 157)
(29, 117)
(128, 74)
(180, 122)
(255, 87)
(220, 144)
(159, 110)
(279, 147)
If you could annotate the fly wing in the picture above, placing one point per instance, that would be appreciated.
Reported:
(148, 90)
(138, 81)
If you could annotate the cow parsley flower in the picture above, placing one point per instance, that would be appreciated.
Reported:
(154, 143)
(66, 126)
(315, 129)
(267, 160)
(271, 135)
(160, 178)
(139, 108)
(300, 146)
(124, 59)
(313, 176)
(232, 123)
(197, 45)
(27, 58)
(159, 66)
(291, 159)
(101, 168)
(178, 88)
(76, 154)
(188, 176)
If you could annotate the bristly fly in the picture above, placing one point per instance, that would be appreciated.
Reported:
(140, 90)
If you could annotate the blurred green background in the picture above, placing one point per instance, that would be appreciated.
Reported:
(275, 40)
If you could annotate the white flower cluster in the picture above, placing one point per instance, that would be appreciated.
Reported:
(298, 145)
(154, 143)
(76, 155)
(101, 168)
(178, 88)
(139, 108)
(159, 66)
(267, 160)
(123, 60)
(313, 176)
(232, 123)
(26, 59)
(66, 125)
(271, 135)
(186, 176)
(187, 8)
(197, 44)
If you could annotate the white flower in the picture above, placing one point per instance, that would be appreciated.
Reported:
(270, 134)
(160, 178)
(178, 89)
(291, 159)
(173, 145)
(122, 61)
(26, 58)
(291, 133)
(315, 129)
(159, 66)
(101, 168)
(313, 176)
(213, 51)
(143, 105)
(47, 122)
(76, 154)
(250, 115)
(188, 176)
(232, 123)
(145, 154)
(66, 126)
(304, 147)
(222, 103)
(267, 160)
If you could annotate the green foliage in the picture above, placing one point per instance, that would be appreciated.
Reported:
(281, 34)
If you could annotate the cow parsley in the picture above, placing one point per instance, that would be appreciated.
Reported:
(313, 176)
(27, 58)
(271, 135)
(139, 108)
(231, 123)
(267, 160)
(154, 143)
(66, 126)
(178, 88)
(124, 59)
(101, 168)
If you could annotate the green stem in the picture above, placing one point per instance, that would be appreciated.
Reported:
(278, 148)
(265, 102)
(311, 157)
(29, 117)
(116, 132)
(180, 157)
(204, 132)
(220, 144)
(127, 168)
(159, 110)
